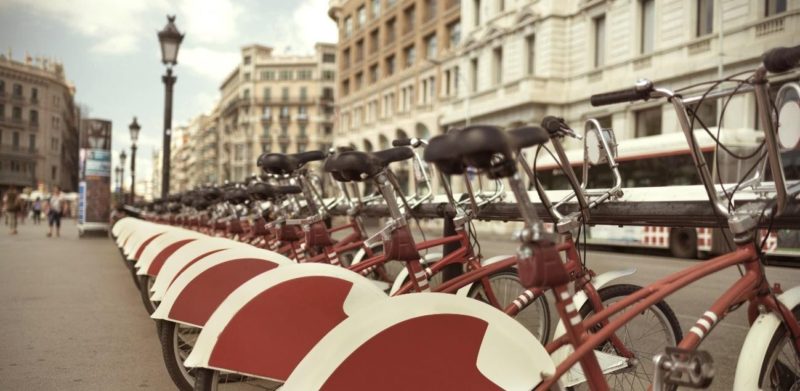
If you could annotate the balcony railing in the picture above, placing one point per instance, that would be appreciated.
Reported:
(34, 100)
(284, 138)
(302, 139)
(285, 118)
(18, 97)
(18, 150)
(302, 117)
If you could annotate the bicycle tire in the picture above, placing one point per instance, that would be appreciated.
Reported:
(183, 377)
(672, 336)
(145, 284)
(778, 351)
(534, 315)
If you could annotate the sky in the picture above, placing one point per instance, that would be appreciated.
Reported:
(111, 54)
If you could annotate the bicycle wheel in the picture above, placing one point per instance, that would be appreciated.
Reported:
(177, 341)
(211, 380)
(645, 335)
(780, 365)
(506, 287)
(145, 285)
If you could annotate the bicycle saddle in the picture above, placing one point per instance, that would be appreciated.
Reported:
(212, 194)
(442, 151)
(290, 189)
(236, 195)
(528, 136)
(261, 191)
(487, 148)
(283, 164)
(358, 166)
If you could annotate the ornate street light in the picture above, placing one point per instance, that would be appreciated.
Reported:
(122, 158)
(134, 128)
(170, 39)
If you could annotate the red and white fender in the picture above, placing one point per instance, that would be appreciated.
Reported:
(756, 343)
(140, 239)
(160, 248)
(425, 341)
(187, 255)
(204, 285)
(121, 225)
(266, 326)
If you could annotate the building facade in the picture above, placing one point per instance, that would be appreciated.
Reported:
(39, 124)
(273, 103)
(403, 72)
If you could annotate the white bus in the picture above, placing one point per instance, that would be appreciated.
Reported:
(664, 160)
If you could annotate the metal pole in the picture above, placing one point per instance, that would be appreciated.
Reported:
(122, 182)
(169, 81)
(133, 173)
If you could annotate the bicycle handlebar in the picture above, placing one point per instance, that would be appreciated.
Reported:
(782, 59)
(641, 91)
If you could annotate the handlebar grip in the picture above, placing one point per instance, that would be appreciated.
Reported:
(628, 95)
(781, 59)
(403, 142)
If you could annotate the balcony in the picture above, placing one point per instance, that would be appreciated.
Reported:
(17, 179)
(284, 139)
(33, 125)
(34, 100)
(18, 97)
(285, 119)
(19, 151)
(302, 138)
(10, 121)
(266, 119)
(302, 118)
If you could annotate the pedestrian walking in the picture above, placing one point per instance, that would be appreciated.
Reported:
(13, 202)
(37, 211)
(54, 211)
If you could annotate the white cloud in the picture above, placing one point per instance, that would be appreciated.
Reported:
(213, 64)
(311, 24)
(211, 21)
(115, 25)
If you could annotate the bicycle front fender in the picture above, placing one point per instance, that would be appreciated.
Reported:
(580, 299)
(427, 259)
(757, 341)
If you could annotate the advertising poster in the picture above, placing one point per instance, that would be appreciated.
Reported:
(81, 202)
(95, 171)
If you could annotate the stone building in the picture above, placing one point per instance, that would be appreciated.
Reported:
(38, 126)
(273, 103)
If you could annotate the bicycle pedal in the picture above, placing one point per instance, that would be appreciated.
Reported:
(684, 368)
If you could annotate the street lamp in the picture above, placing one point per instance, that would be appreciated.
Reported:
(122, 157)
(117, 179)
(134, 128)
(170, 39)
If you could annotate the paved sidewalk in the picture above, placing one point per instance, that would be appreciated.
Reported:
(70, 316)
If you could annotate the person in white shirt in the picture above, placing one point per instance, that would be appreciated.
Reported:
(56, 204)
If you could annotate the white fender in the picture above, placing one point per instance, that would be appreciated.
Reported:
(754, 348)
(464, 291)
(174, 234)
(176, 262)
(509, 356)
(139, 237)
(427, 259)
(361, 294)
(119, 224)
(174, 290)
(579, 299)
(136, 230)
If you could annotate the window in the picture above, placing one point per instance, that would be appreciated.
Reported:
(430, 9)
(34, 94)
(246, 94)
(302, 113)
(285, 94)
(2, 111)
(54, 144)
(2, 86)
(247, 76)
(648, 122)
(303, 94)
(530, 54)
(32, 142)
(705, 17)
(54, 172)
(266, 113)
(346, 58)
(374, 41)
(476, 9)
(267, 95)
(474, 73)
(359, 81)
(705, 114)
(774, 7)
(497, 64)
(362, 16)
(390, 30)
(285, 75)
(348, 26)
(15, 140)
(410, 56)
(605, 122)
(345, 87)
(329, 57)
(373, 73)
(34, 117)
(430, 46)
(359, 50)
(599, 41)
(328, 75)
(267, 75)
(376, 8)
(647, 26)
(390, 65)
(410, 14)
(327, 93)
(17, 90)
(246, 60)
(304, 74)
(454, 33)
(284, 114)
(16, 113)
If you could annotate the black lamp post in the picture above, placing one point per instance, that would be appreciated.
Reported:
(134, 128)
(122, 158)
(117, 181)
(170, 39)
